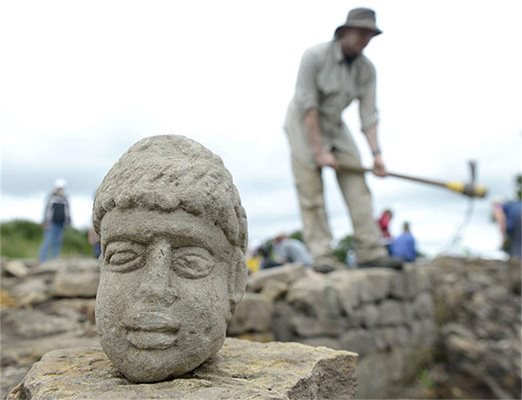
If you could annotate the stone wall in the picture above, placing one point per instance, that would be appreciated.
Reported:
(478, 309)
(461, 315)
(384, 315)
(43, 308)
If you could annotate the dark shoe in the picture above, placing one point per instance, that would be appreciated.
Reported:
(327, 264)
(382, 262)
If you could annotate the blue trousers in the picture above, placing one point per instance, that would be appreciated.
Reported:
(53, 237)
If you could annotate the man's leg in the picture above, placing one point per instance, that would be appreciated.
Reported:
(359, 201)
(57, 238)
(44, 249)
(309, 185)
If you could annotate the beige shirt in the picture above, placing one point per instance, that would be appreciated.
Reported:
(327, 83)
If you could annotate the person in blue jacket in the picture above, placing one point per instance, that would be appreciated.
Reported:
(403, 246)
(508, 216)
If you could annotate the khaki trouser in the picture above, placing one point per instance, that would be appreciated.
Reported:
(316, 231)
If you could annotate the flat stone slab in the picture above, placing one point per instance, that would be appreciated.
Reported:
(240, 370)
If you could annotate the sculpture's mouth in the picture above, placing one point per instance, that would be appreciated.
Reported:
(152, 330)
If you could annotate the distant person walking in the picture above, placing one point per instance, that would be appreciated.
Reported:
(403, 246)
(331, 76)
(56, 217)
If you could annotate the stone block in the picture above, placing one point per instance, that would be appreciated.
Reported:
(422, 307)
(281, 326)
(391, 312)
(286, 273)
(323, 341)
(392, 337)
(373, 376)
(361, 341)
(307, 297)
(309, 327)
(406, 283)
(16, 268)
(253, 314)
(379, 282)
(30, 324)
(79, 278)
(347, 287)
(274, 290)
(240, 370)
(30, 291)
(369, 315)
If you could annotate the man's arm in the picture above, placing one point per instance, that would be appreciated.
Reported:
(500, 219)
(369, 119)
(307, 100)
(323, 157)
(373, 141)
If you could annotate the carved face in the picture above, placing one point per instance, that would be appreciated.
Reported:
(162, 302)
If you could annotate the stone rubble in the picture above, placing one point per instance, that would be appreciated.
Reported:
(240, 370)
(470, 307)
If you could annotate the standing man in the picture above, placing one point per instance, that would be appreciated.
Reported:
(330, 77)
(56, 217)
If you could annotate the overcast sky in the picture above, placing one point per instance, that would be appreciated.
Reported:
(80, 82)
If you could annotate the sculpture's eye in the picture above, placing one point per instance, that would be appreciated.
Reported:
(123, 256)
(192, 262)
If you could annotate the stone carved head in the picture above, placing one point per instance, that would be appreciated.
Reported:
(173, 235)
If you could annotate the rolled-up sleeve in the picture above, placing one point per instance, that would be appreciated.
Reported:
(368, 101)
(306, 93)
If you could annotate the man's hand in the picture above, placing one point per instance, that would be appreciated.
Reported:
(378, 166)
(326, 159)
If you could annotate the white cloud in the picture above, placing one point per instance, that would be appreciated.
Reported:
(81, 82)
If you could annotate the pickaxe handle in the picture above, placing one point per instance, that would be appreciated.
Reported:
(459, 187)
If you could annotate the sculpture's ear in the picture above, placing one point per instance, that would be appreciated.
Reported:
(237, 280)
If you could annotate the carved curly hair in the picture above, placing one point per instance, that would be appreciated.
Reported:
(152, 172)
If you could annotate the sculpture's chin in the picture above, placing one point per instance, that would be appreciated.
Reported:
(148, 365)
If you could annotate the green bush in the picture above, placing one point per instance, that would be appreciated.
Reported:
(342, 247)
(22, 239)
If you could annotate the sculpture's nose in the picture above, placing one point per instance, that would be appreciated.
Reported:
(156, 286)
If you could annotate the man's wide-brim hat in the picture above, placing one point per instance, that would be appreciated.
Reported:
(360, 18)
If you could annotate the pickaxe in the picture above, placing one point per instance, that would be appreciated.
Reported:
(467, 189)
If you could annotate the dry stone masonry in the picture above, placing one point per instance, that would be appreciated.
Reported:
(468, 309)
(385, 316)
(475, 308)
(241, 370)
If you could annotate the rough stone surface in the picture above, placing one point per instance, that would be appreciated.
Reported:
(478, 305)
(79, 279)
(253, 314)
(173, 236)
(16, 268)
(391, 312)
(241, 370)
(33, 322)
(30, 291)
(286, 273)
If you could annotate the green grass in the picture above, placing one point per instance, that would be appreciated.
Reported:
(22, 239)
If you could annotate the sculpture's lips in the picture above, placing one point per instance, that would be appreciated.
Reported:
(152, 330)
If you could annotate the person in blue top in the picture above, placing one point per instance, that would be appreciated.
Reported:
(508, 216)
(403, 246)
